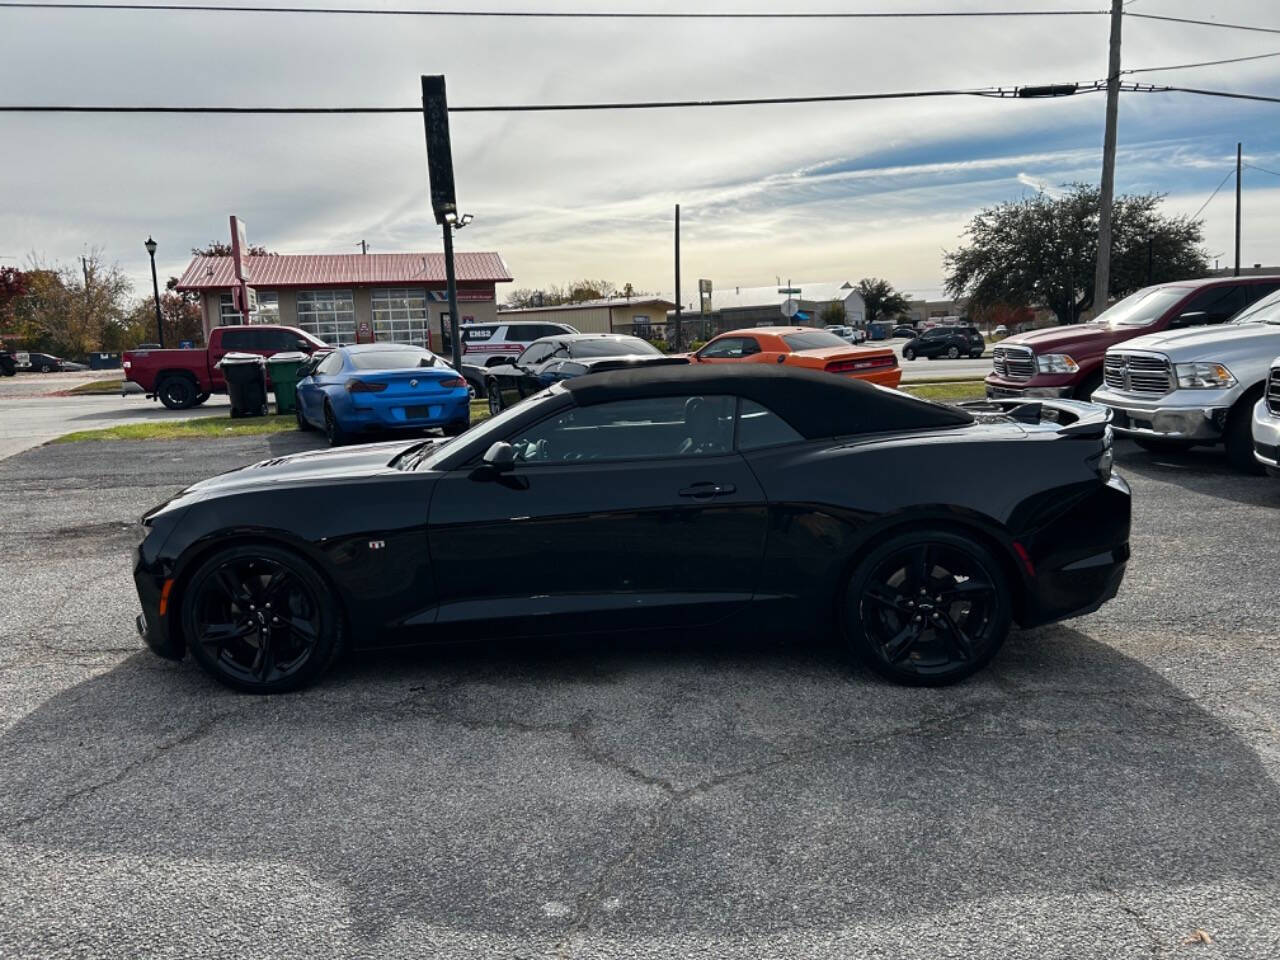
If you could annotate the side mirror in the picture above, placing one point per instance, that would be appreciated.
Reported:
(1192, 318)
(501, 457)
(304, 346)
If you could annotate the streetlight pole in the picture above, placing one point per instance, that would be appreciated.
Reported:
(453, 222)
(155, 288)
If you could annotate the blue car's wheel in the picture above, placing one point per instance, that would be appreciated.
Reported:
(303, 423)
(332, 429)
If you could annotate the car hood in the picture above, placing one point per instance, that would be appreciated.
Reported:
(1088, 337)
(346, 463)
(1211, 343)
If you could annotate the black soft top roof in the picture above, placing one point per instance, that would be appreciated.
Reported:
(816, 404)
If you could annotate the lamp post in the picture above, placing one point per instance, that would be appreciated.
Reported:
(155, 287)
(453, 222)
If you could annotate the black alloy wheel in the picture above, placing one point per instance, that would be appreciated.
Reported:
(927, 608)
(261, 620)
(953, 352)
(494, 396)
(908, 354)
(333, 431)
(177, 393)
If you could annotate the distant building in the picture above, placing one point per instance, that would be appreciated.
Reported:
(397, 297)
(922, 311)
(735, 307)
(643, 316)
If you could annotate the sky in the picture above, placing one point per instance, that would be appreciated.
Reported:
(812, 192)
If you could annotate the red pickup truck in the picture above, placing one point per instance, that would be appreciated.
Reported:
(185, 378)
(1067, 361)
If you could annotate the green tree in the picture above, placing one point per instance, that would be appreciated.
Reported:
(882, 301)
(833, 313)
(69, 309)
(181, 317)
(218, 248)
(1043, 250)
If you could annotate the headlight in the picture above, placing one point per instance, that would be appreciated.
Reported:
(1056, 363)
(1204, 376)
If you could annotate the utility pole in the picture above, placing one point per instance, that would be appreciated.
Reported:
(364, 247)
(1102, 278)
(676, 343)
(1239, 165)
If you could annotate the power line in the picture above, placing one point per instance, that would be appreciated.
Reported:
(993, 92)
(1204, 23)
(1230, 174)
(1252, 166)
(1203, 63)
(552, 14)
(1213, 93)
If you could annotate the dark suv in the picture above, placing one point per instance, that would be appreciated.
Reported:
(951, 342)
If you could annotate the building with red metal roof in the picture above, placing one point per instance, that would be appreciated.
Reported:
(342, 298)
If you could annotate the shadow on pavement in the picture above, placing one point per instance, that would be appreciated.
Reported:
(1200, 470)
(703, 786)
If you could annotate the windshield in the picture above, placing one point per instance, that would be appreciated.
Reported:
(1266, 310)
(487, 431)
(1141, 308)
(391, 359)
(613, 347)
(812, 340)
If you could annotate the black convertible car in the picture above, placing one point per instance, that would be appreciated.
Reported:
(748, 496)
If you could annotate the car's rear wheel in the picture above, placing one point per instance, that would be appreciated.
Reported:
(975, 354)
(333, 431)
(908, 353)
(953, 352)
(927, 608)
(177, 393)
(261, 619)
(494, 396)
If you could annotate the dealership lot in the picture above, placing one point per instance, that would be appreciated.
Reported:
(1107, 788)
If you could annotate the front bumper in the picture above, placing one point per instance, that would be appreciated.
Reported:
(152, 627)
(1042, 386)
(1180, 415)
(1266, 438)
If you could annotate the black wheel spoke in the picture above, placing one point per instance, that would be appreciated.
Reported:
(887, 597)
(901, 643)
(302, 628)
(921, 569)
(233, 587)
(218, 634)
(264, 662)
(960, 640)
(273, 590)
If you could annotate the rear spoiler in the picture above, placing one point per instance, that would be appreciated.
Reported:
(1074, 418)
(627, 363)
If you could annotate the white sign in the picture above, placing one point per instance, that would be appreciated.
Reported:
(790, 308)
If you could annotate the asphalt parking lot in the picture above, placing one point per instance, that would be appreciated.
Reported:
(1106, 789)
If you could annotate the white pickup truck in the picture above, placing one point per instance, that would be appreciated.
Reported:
(1266, 423)
(1180, 388)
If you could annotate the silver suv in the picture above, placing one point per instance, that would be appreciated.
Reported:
(1178, 388)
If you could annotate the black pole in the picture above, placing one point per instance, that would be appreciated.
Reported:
(452, 281)
(155, 289)
(676, 343)
(1238, 166)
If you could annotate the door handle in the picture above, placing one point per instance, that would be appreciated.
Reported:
(707, 489)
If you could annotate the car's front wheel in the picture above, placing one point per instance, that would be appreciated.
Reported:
(333, 431)
(953, 353)
(494, 396)
(908, 354)
(927, 608)
(261, 619)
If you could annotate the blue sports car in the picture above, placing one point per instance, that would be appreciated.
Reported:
(380, 386)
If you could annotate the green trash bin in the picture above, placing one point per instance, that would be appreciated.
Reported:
(283, 370)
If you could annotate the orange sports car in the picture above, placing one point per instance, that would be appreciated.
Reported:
(803, 347)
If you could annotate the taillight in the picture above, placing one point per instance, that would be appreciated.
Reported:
(364, 386)
(862, 363)
(453, 383)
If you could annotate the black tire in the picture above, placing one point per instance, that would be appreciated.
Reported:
(261, 619)
(975, 354)
(896, 624)
(908, 353)
(177, 392)
(202, 398)
(303, 423)
(953, 352)
(1158, 445)
(1239, 437)
(494, 396)
(1087, 387)
(333, 431)
(8, 369)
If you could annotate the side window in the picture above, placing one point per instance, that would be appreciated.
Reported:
(729, 347)
(330, 364)
(570, 369)
(238, 339)
(760, 427)
(750, 345)
(535, 354)
(662, 427)
(1215, 304)
(1254, 292)
(526, 333)
(278, 340)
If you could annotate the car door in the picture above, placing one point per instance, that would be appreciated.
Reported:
(631, 514)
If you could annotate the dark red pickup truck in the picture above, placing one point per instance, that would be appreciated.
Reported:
(1067, 361)
(185, 378)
